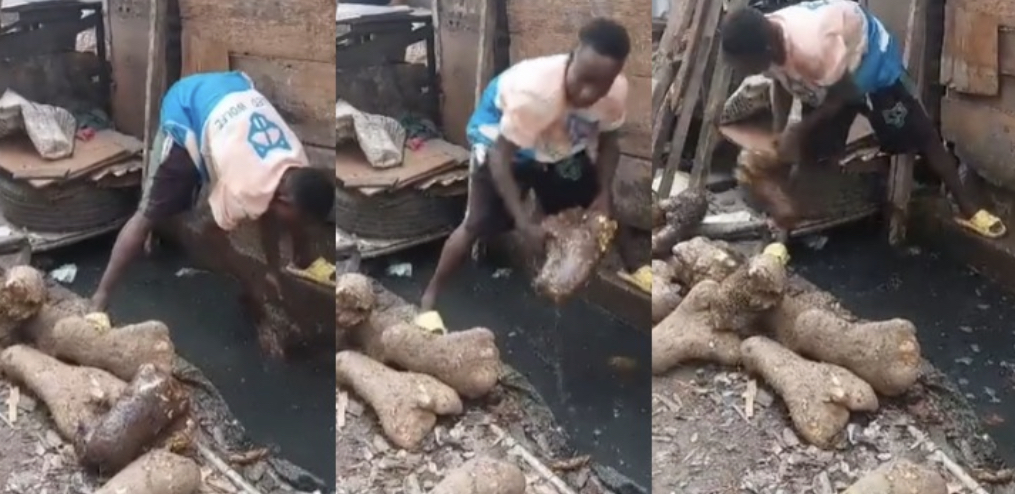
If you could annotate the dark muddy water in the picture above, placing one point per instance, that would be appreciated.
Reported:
(291, 406)
(966, 323)
(564, 352)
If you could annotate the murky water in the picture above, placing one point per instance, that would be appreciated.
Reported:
(564, 352)
(288, 405)
(965, 321)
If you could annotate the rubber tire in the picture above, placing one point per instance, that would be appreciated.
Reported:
(72, 206)
(401, 214)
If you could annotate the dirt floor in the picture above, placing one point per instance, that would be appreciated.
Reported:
(366, 463)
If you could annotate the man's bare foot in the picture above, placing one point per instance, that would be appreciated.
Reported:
(428, 301)
(99, 302)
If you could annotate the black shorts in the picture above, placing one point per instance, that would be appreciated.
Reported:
(898, 119)
(172, 185)
(557, 187)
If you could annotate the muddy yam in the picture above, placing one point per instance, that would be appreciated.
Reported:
(483, 475)
(22, 296)
(683, 213)
(121, 351)
(354, 301)
(158, 472)
(578, 241)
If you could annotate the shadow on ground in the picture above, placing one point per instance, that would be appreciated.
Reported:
(966, 323)
(569, 354)
(291, 406)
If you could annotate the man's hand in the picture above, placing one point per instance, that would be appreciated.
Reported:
(533, 237)
(602, 204)
(272, 287)
(789, 144)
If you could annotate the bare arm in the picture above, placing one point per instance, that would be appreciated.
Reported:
(501, 156)
(269, 241)
(839, 95)
(782, 103)
(607, 161)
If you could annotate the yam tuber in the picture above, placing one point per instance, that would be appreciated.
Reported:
(76, 397)
(900, 477)
(354, 301)
(577, 242)
(702, 259)
(665, 292)
(157, 472)
(819, 396)
(483, 475)
(705, 326)
(22, 296)
(886, 354)
(468, 361)
(683, 213)
(152, 401)
(121, 351)
(407, 404)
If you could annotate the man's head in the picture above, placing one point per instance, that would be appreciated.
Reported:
(750, 41)
(305, 193)
(602, 50)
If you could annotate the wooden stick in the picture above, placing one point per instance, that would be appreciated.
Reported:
(675, 92)
(900, 184)
(954, 468)
(157, 14)
(529, 458)
(224, 468)
(487, 34)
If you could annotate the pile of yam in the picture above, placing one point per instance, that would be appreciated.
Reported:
(716, 306)
(110, 392)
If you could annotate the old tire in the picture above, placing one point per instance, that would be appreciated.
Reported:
(72, 206)
(400, 214)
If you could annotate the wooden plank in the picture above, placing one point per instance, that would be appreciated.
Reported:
(636, 134)
(158, 20)
(972, 54)
(353, 170)
(717, 95)
(303, 92)
(484, 60)
(19, 157)
(689, 99)
(129, 61)
(202, 54)
(459, 41)
(296, 29)
(663, 128)
(900, 181)
(984, 136)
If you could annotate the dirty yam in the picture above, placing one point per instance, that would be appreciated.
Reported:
(701, 259)
(900, 477)
(157, 472)
(886, 354)
(706, 325)
(76, 397)
(121, 351)
(683, 213)
(665, 291)
(152, 401)
(578, 240)
(407, 404)
(22, 296)
(468, 361)
(354, 301)
(819, 396)
(483, 475)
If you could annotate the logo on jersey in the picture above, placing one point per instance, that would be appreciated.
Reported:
(266, 136)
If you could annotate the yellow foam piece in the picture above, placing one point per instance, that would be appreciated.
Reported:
(320, 271)
(778, 251)
(642, 278)
(431, 321)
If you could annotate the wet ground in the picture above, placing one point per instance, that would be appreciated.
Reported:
(288, 405)
(966, 323)
(569, 354)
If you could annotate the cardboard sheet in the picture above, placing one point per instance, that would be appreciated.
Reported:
(433, 158)
(19, 158)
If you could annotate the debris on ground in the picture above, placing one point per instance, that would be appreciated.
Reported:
(765, 385)
(416, 411)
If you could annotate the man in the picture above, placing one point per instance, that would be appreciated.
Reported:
(216, 130)
(836, 57)
(548, 125)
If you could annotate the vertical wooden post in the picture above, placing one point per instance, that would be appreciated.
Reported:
(900, 181)
(156, 79)
(487, 36)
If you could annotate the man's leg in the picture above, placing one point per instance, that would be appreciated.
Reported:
(168, 191)
(485, 217)
(903, 125)
(567, 184)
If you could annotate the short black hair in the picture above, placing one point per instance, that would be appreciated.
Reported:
(606, 37)
(312, 191)
(744, 33)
